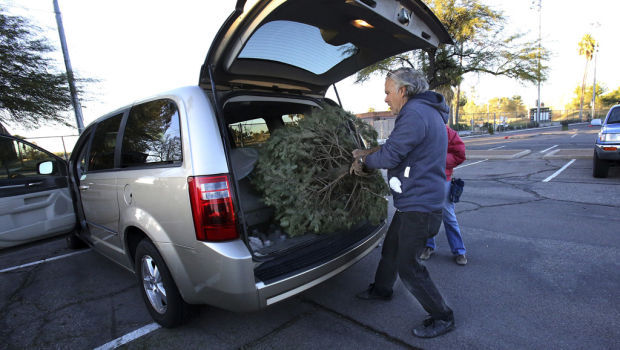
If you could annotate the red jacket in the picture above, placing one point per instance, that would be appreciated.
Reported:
(456, 152)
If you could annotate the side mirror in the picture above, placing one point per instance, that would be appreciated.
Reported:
(596, 122)
(47, 167)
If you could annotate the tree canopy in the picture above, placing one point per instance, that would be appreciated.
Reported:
(513, 105)
(32, 90)
(611, 98)
(481, 46)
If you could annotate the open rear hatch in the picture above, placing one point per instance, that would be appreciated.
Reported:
(304, 46)
(297, 49)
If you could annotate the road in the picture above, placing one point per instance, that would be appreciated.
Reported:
(543, 248)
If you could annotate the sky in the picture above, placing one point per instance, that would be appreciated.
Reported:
(139, 48)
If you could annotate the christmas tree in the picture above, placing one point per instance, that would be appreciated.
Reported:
(303, 172)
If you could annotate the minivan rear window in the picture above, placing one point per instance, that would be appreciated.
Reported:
(298, 44)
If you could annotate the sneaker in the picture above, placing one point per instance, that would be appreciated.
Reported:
(432, 328)
(371, 294)
(461, 259)
(428, 251)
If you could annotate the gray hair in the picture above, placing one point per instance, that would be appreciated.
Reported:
(413, 80)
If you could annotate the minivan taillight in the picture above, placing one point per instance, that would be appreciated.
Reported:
(212, 208)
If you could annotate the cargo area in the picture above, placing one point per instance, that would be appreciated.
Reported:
(250, 121)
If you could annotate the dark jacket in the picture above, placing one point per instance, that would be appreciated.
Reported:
(456, 152)
(415, 153)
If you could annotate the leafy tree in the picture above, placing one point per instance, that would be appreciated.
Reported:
(513, 105)
(609, 99)
(481, 46)
(580, 91)
(32, 91)
(586, 48)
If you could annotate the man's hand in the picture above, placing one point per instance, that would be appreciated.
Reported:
(362, 153)
(359, 156)
(357, 168)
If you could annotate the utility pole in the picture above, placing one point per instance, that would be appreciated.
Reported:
(77, 108)
(539, 54)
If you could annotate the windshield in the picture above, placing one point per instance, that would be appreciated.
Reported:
(297, 44)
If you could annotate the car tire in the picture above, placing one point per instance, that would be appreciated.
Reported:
(73, 241)
(158, 290)
(600, 167)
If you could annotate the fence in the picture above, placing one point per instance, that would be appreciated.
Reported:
(479, 123)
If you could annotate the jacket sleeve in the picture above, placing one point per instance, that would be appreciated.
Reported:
(409, 131)
(456, 150)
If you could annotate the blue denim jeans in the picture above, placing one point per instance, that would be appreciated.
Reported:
(402, 246)
(451, 226)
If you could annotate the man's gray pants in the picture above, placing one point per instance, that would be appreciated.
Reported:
(403, 244)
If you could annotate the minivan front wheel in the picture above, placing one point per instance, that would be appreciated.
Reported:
(160, 293)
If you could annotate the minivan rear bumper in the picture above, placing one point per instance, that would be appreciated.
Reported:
(274, 292)
(222, 274)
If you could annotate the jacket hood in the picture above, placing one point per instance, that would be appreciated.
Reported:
(436, 101)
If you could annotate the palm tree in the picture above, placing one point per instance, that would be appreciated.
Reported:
(586, 48)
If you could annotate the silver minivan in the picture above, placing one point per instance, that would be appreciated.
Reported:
(164, 184)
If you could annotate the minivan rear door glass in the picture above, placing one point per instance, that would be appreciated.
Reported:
(307, 45)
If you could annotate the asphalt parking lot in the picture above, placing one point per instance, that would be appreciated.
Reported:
(543, 247)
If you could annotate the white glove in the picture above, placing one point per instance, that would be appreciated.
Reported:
(395, 185)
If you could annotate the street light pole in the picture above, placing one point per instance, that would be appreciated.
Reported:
(77, 108)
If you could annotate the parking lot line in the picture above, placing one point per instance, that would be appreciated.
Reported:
(129, 337)
(490, 149)
(545, 150)
(43, 261)
(462, 166)
(559, 171)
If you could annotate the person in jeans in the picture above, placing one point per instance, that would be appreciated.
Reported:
(455, 156)
(415, 156)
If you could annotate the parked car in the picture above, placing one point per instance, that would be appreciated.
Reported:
(35, 201)
(607, 146)
(163, 186)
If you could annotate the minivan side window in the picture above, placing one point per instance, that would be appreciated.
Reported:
(152, 135)
(104, 142)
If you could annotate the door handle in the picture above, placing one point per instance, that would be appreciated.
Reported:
(32, 184)
(84, 187)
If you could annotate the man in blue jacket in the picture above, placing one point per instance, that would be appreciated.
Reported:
(415, 156)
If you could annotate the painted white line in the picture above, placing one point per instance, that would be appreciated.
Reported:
(129, 337)
(573, 136)
(462, 166)
(559, 171)
(545, 150)
(44, 261)
(490, 149)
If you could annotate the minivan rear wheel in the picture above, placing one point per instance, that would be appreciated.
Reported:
(160, 293)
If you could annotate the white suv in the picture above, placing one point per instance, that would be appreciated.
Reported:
(163, 184)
